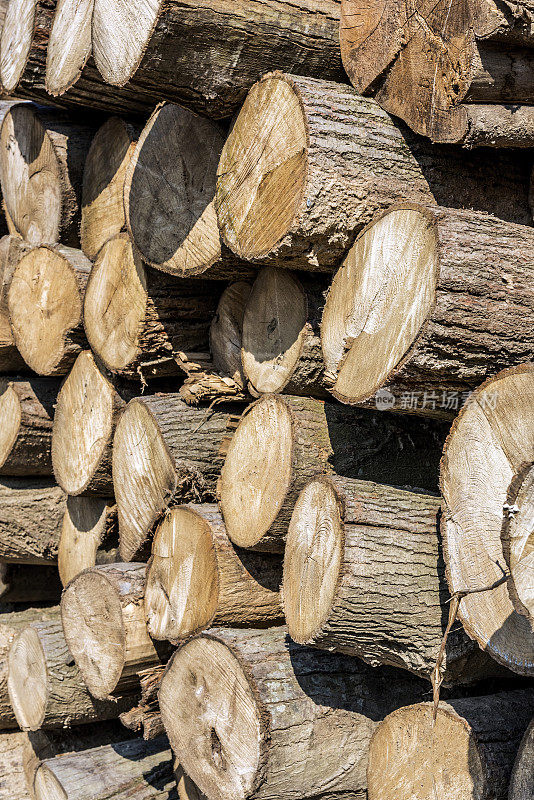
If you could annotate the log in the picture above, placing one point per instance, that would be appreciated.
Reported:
(26, 415)
(31, 511)
(283, 441)
(68, 31)
(89, 536)
(12, 248)
(226, 331)
(331, 161)
(467, 293)
(485, 455)
(281, 338)
(45, 688)
(42, 154)
(165, 453)
(355, 551)
(23, 28)
(102, 213)
(467, 753)
(105, 629)
(137, 319)
(187, 789)
(517, 538)
(133, 769)
(301, 719)
(14, 749)
(88, 408)
(522, 780)
(146, 717)
(45, 307)
(29, 583)
(196, 578)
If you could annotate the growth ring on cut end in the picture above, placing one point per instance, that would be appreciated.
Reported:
(27, 681)
(10, 419)
(16, 42)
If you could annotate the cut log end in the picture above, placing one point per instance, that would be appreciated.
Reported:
(69, 45)
(83, 530)
(16, 41)
(46, 785)
(10, 419)
(226, 331)
(83, 425)
(220, 753)
(518, 544)
(27, 680)
(256, 474)
(256, 207)
(378, 303)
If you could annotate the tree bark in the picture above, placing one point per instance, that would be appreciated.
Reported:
(13, 751)
(26, 414)
(462, 314)
(283, 441)
(89, 536)
(12, 248)
(29, 583)
(105, 629)
(297, 721)
(196, 578)
(468, 752)
(45, 300)
(146, 717)
(165, 453)
(522, 780)
(331, 161)
(31, 510)
(138, 319)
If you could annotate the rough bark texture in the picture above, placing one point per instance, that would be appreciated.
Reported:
(13, 751)
(12, 248)
(522, 780)
(146, 717)
(26, 415)
(495, 126)
(29, 583)
(31, 511)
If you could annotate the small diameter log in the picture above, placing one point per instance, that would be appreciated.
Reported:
(26, 415)
(518, 542)
(89, 536)
(267, 686)
(105, 629)
(283, 441)
(29, 583)
(31, 511)
(281, 339)
(196, 578)
(45, 688)
(25, 24)
(137, 319)
(467, 293)
(42, 153)
(364, 575)
(103, 213)
(146, 717)
(226, 331)
(466, 754)
(12, 248)
(87, 410)
(165, 453)
(491, 441)
(320, 173)
(134, 769)
(522, 781)
(45, 307)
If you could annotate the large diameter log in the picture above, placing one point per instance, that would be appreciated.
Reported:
(134, 769)
(283, 441)
(87, 410)
(89, 536)
(24, 24)
(466, 754)
(45, 307)
(485, 455)
(325, 161)
(364, 575)
(196, 578)
(29, 583)
(522, 780)
(31, 511)
(467, 293)
(26, 415)
(105, 629)
(12, 248)
(45, 688)
(137, 319)
(42, 153)
(165, 453)
(296, 722)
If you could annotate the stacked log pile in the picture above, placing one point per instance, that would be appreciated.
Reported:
(266, 401)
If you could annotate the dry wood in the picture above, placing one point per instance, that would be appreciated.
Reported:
(229, 698)
(325, 160)
(14, 748)
(103, 214)
(146, 717)
(45, 688)
(26, 415)
(522, 780)
(69, 44)
(226, 331)
(517, 538)
(490, 444)
(165, 453)
(467, 293)
(466, 754)
(284, 441)
(89, 536)
(88, 407)
(45, 307)
(364, 575)
(104, 623)
(42, 153)
(31, 510)
(137, 319)
(196, 578)
(187, 789)
(25, 25)
(12, 248)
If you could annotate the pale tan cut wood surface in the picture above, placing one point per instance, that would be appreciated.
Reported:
(26, 417)
(169, 191)
(490, 444)
(522, 781)
(226, 331)
(103, 214)
(518, 544)
(11, 249)
(16, 41)
(13, 751)
(89, 536)
(69, 44)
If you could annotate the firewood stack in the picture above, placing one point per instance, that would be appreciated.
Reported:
(266, 401)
